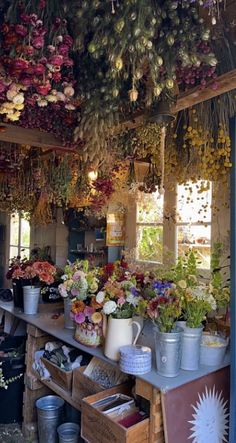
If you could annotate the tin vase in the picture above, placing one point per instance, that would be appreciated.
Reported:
(68, 322)
(168, 347)
(31, 296)
(191, 348)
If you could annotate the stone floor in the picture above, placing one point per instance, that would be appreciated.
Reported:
(12, 434)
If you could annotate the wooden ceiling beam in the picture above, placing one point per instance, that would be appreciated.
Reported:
(225, 83)
(32, 137)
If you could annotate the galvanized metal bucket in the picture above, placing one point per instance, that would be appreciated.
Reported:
(31, 299)
(68, 433)
(68, 322)
(191, 348)
(50, 416)
(168, 351)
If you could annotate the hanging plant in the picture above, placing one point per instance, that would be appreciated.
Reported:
(35, 57)
(131, 57)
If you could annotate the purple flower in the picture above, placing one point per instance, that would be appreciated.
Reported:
(74, 292)
(88, 312)
(79, 318)
(134, 291)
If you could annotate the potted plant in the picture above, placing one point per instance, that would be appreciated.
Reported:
(78, 283)
(32, 275)
(120, 299)
(163, 308)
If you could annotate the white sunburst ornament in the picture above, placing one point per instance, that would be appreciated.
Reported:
(210, 420)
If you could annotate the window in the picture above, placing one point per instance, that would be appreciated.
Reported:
(193, 202)
(19, 236)
(149, 225)
(194, 220)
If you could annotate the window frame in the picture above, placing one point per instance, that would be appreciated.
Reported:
(170, 231)
(19, 246)
(144, 224)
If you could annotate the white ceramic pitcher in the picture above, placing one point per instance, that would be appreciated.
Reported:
(119, 332)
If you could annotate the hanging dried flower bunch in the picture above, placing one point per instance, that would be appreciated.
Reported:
(35, 58)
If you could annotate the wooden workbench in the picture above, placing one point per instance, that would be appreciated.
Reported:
(41, 328)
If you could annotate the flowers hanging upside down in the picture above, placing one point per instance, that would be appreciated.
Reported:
(35, 60)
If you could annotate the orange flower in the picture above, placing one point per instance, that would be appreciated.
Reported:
(78, 306)
(94, 304)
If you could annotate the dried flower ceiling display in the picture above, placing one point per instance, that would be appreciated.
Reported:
(79, 69)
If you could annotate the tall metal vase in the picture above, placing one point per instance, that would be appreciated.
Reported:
(68, 322)
(168, 346)
(191, 348)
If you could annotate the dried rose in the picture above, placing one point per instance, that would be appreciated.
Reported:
(21, 30)
(38, 42)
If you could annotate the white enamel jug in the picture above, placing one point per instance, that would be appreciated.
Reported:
(119, 332)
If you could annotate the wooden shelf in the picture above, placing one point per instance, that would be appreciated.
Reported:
(85, 252)
(67, 396)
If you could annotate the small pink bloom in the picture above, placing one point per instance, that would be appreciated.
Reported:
(88, 312)
(26, 81)
(80, 318)
(39, 69)
(21, 64)
(121, 301)
(51, 48)
(2, 87)
(56, 60)
(43, 89)
(56, 76)
(68, 62)
(38, 42)
(25, 18)
(68, 40)
(74, 292)
(21, 30)
(63, 49)
(29, 50)
(43, 60)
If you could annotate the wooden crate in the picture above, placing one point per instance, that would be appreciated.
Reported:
(34, 331)
(97, 427)
(83, 386)
(59, 376)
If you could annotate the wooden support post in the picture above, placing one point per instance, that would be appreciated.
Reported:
(153, 395)
(34, 389)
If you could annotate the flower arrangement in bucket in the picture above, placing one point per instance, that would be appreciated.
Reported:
(32, 274)
(163, 308)
(120, 300)
(196, 302)
(78, 283)
(88, 319)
